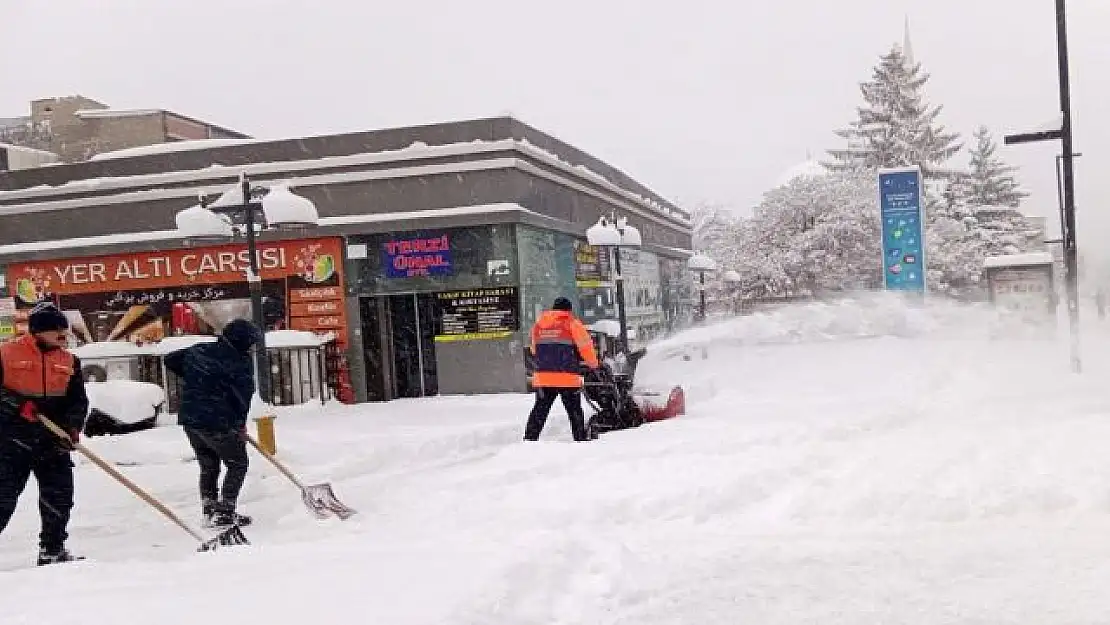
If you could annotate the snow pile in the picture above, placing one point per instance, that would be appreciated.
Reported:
(126, 400)
(199, 222)
(861, 316)
(882, 315)
(933, 475)
(283, 208)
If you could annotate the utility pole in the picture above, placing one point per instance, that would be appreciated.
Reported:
(1067, 220)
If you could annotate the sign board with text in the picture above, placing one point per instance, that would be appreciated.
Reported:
(476, 314)
(903, 229)
(420, 256)
(133, 296)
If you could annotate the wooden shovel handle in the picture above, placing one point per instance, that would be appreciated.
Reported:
(274, 461)
(119, 477)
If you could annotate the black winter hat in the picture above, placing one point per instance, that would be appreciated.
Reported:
(242, 334)
(562, 303)
(45, 317)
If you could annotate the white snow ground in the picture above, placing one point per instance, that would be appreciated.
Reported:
(857, 463)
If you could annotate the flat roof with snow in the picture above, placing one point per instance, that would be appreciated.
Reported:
(1018, 260)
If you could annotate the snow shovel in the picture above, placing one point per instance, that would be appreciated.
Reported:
(231, 536)
(320, 499)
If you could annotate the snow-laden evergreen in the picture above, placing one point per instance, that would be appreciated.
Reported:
(990, 181)
(895, 127)
(818, 231)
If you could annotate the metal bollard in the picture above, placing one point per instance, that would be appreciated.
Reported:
(265, 427)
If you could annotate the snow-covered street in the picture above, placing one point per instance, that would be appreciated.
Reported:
(852, 463)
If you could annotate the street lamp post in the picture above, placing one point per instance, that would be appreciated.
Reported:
(251, 208)
(733, 279)
(1064, 134)
(612, 234)
(701, 265)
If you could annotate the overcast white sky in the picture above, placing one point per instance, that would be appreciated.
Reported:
(700, 100)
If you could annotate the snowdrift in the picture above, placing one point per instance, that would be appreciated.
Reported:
(937, 472)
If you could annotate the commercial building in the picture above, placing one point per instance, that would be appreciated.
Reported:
(437, 247)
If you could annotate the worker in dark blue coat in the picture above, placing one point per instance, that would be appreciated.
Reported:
(216, 392)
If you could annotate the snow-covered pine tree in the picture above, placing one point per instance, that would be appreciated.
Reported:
(991, 182)
(895, 127)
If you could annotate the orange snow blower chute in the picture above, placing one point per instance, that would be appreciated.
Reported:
(675, 406)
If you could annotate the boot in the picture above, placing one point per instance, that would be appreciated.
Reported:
(224, 515)
(207, 510)
(55, 556)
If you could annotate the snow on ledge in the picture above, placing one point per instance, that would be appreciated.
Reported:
(1019, 260)
(608, 327)
(103, 113)
(103, 350)
(106, 350)
(701, 263)
(170, 147)
(296, 338)
(171, 235)
(302, 168)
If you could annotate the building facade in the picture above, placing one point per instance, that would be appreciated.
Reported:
(445, 240)
(76, 128)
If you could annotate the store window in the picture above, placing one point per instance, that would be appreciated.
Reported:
(546, 270)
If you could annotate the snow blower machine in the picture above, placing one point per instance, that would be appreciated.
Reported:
(611, 393)
(618, 404)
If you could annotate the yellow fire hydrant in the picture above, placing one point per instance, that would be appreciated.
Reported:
(265, 427)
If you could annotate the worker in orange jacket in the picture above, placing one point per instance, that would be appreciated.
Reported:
(560, 345)
(38, 376)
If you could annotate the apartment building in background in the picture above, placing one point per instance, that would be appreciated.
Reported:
(76, 128)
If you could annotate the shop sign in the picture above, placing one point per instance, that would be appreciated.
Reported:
(7, 318)
(134, 296)
(417, 257)
(1027, 289)
(591, 266)
(476, 314)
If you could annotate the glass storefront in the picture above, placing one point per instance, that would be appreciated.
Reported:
(449, 310)
(432, 304)
(643, 293)
(546, 270)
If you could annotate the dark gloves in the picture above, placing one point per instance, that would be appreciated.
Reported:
(70, 444)
(10, 403)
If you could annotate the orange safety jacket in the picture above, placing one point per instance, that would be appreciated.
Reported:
(32, 374)
(560, 344)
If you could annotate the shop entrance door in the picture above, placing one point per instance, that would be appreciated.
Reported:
(399, 345)
(412, 320)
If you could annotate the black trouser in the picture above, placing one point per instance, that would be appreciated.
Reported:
(545, 397)
(213, 447)
(38, 453)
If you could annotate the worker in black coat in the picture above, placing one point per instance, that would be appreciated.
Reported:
(39, 377)
(217, 387)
